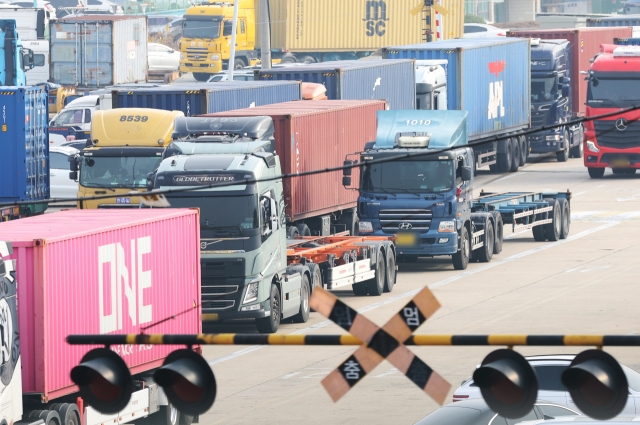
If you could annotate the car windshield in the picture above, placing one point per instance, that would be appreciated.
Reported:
(414, 176)
(200, 28)
(70, 117)
(126, 171)
(611, 92)
(543, 89)
(222, 212)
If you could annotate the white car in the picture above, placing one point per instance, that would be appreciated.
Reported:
(548, 370)
(162, 58)
(61, 185)
(483, 31)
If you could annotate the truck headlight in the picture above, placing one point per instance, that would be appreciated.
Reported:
(447, 227)
(592, 147)
(365, 227)
(215, 57)
(555, 138)
(252, 292)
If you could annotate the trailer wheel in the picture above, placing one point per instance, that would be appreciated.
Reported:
(49, 417)
(524, 150)
(461, 258)
(596, 173)
(201, 76)
(390, 276)
(359, 288)
(552, 230)
(292, 232)
(566, 218)
(563, 155)
(270, 324)
(504, 159)
(485, 253)
(499, 230)
(303, 229)
(515, 161)
(168, 415)
(303, 314)
(538, 233)
(375, 286)
(69, 413)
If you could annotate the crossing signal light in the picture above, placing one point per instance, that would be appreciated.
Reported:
(508, 384)
(597, 384)
(104, 380)
(188, 382)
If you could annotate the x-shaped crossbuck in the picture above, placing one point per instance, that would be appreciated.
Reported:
(380, 343)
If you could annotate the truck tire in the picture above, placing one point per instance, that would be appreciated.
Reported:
(461, 258)
(538, 233)
(307, 59)
(504, 159)
(524, 150)
(201, 76)
(578, 150)
(68, 412)
(499, 232)
(168, 415)
(596, 173)
(49, 417)
(303, 229)
(552, 230)
(316, 275)
(288, 58)
(515, 161)
(239, 63)
(292, 232)
(563, 155)
(303, 314)
(270, 324)
(359, 289)
(375, 286)
(485, 253)
(566, 218)
(390, 276)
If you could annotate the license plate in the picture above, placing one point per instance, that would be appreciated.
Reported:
(620, 162)
(405, 239)
(123, 200)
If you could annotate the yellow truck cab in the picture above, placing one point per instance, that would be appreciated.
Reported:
(126, 145)
(206, 37)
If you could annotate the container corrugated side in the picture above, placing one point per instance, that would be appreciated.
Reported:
(98, 272)
(24, 136)
(627, 41)
(315, 135)
(489, 78)
(585, 44)
(393, 81)
(197, 99)
(615, 21)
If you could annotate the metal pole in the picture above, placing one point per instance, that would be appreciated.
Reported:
(232, 55)
(265, 35)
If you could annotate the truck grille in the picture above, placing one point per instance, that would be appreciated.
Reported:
(218, 305)
(405, 220)
(197, 53)
(539, 118)
(608, 135)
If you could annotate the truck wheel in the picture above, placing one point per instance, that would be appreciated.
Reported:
(201, 76)
(552, 230)
(168, 415)
(566, 218)
(538, 233)
(269, 325)
(238, 63)
(619, 171)
(504, 159)
(303, 314)
(308, 59)
(289, 58)
(524, 150)
(485, 254)
(563, 155)
(316, 274)
(375, 286)
(578, 150)
(390, 276)
(515, 161)
(69, 413)
(49, 417)
(499, 232)
(292, 232)
(359, 289)
(596, 173)
(461, 258)
(303, 229)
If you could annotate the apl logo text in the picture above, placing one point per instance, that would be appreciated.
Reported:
(119, 279)
(496, 90)
(375, 18)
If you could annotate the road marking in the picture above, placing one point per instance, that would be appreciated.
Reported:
(443, 282)
(632, 198)
(392, 371)
(578, 194)
(289, 375)
(506, 177)
(602, 185)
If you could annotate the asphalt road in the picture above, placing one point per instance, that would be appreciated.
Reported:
(585, 284)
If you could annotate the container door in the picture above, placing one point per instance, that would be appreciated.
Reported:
(36, 144)
(97, 63)
(65, 53)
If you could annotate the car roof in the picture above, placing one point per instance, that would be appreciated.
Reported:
(68, 150)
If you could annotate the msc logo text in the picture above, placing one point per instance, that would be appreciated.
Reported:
(375, 18)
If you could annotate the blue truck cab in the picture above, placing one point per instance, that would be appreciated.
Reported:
(14, 59)
(424, 199)
(551, 100)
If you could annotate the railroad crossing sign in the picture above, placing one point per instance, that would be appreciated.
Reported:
(380, 344)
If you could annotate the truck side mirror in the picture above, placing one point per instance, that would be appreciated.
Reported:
(466, 174)
(565, 91)
(346, 173)
(73, 175)
(150, 181)
(27, 59)
(73, 163)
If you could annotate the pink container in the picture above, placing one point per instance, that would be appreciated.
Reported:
(99, 272)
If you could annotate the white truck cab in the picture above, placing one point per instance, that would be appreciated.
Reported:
(74, 121)
(431, 84)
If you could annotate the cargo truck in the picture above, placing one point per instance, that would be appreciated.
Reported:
(489, 78)
(308, 32)
(73, 122)
(613, 142)
(125, 145)
(265, 244)
(558, 91)
(15, 59)
(89, 298)
(426, 200)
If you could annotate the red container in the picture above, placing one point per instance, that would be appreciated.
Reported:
(97, 272)
(585, 44)
(316, 135)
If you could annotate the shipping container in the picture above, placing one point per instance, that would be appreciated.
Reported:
(615, 21)
(356, 25)
(100, 272)
(24, 161)
(314, 135)
(393, 81)
(627, 41)
(203, 98)
(488, 77)
(585, 44)
(97, 51)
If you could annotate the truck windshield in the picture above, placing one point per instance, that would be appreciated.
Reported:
(414, 176)
(222, 212)
(543, 89)
(127, 171)
(199, 28)
(612, 92)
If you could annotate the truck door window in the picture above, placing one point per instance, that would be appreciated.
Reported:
(38, 60)
(87, 115)
(228, 28)
(242, 26)
(459, 172)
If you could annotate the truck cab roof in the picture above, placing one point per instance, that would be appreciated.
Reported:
(89, 100)
(621, 59)
(545, 54)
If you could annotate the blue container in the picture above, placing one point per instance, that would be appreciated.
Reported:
(207, 98)
(627, 41)
(490, 78)
(615, 21)
(24, 137)
(393, 81)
